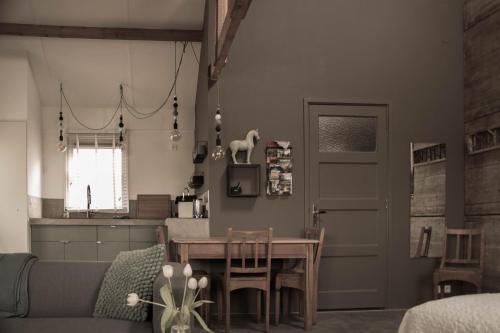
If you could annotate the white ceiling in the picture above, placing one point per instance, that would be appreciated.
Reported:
(92, 70)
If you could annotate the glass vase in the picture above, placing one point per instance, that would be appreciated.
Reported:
(180, 329)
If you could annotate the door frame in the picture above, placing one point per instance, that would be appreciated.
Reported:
(307, 195)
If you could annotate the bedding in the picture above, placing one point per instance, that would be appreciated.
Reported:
(459, 314)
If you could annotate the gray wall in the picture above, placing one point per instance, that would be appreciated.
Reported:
(404, 52)
(482, 112)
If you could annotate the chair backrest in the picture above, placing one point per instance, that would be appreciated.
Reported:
(319, 235)
(463, 248)
(252, 248)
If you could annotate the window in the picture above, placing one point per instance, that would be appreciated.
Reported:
(97, 162)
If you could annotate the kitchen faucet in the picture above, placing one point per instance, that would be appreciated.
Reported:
(89, 201)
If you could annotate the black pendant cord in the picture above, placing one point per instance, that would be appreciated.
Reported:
(81, 123)
(218, 119)
(144, 115)
(121, 125)
(61, 118)
(123, 102)
(176, 104)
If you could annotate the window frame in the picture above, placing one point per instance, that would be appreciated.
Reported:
(72, 138)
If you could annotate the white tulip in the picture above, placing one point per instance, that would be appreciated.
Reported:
(187, 271)
(203, 282)
(132, 299)
(192, 284)
(168, 271)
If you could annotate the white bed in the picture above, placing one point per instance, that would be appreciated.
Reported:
(460, 314)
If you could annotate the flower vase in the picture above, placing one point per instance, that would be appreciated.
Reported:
(180, 329)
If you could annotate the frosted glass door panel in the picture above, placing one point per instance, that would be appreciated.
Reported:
(344, 134)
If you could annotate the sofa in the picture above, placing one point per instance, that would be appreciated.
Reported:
(62, 296)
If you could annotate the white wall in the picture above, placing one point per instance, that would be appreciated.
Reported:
(34, 135)
(20, 151)
(13, 86)
(13, 208)
(154, 168)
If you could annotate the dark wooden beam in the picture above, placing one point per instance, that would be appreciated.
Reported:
(16, 29)
(235, 14)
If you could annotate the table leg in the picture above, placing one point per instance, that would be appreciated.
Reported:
(308, 292)
(183, 253)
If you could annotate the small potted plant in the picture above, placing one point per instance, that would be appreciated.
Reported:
(178, 318)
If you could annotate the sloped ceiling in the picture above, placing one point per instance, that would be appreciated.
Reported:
(92, 70)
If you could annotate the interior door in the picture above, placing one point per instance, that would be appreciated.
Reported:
(346, 192)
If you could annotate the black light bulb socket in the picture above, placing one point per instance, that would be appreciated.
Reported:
(218, 128)
(218, 141)
(121, 137)
(61, 136)
(61, 116)
(175, 98)
(176, 105)
(175, 124)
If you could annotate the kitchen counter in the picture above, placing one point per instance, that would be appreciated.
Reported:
(95, 222)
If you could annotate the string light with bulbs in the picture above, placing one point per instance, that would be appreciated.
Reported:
(219, 152)
(133, 111)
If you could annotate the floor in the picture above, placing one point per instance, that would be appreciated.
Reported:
(375, 321)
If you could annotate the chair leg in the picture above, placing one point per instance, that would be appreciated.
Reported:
(277, 308)
(220, 305)
(286, 302)
(267, 308)
(301, 300)
(227, 300)
(258, 309)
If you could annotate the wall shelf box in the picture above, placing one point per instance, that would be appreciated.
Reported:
(248, 176)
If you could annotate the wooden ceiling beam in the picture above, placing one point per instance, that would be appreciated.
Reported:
(54, 31)
(235, 14)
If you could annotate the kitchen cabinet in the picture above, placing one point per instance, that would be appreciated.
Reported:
(89, 242)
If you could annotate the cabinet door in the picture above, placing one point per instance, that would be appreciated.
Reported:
(143, 233)
(113, 233)
(107, 251)
(80, 251)
(63, 233)
(48, 250)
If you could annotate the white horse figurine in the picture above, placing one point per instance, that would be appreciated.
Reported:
(244, 145)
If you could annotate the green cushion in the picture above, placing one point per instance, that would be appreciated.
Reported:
(130, 272)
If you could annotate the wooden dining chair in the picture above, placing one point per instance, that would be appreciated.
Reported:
(463, 257)
(248, 265)
(294, 278)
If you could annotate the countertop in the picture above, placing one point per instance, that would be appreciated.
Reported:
(93, 221)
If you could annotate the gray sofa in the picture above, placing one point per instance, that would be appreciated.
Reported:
(62, 296)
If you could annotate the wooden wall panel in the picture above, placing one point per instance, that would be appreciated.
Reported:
(429, 190)
(482, 112)
(491, 225)
(482, 68)
(476, 11)
(482, 183)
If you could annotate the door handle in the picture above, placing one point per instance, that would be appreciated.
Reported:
(315, 213)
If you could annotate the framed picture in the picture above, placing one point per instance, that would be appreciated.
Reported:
(279, 168)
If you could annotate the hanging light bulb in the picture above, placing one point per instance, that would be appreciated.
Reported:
(61, 146)
(219, 152)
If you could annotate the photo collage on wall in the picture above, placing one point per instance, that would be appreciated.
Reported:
(279, 168)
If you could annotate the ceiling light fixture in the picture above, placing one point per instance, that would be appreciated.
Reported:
(219, 152)
(175, 135)
(61, 145)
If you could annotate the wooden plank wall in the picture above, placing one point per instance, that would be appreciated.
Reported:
(427, 207)
(482, 112)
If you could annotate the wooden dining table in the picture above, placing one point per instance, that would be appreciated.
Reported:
(187, 249)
